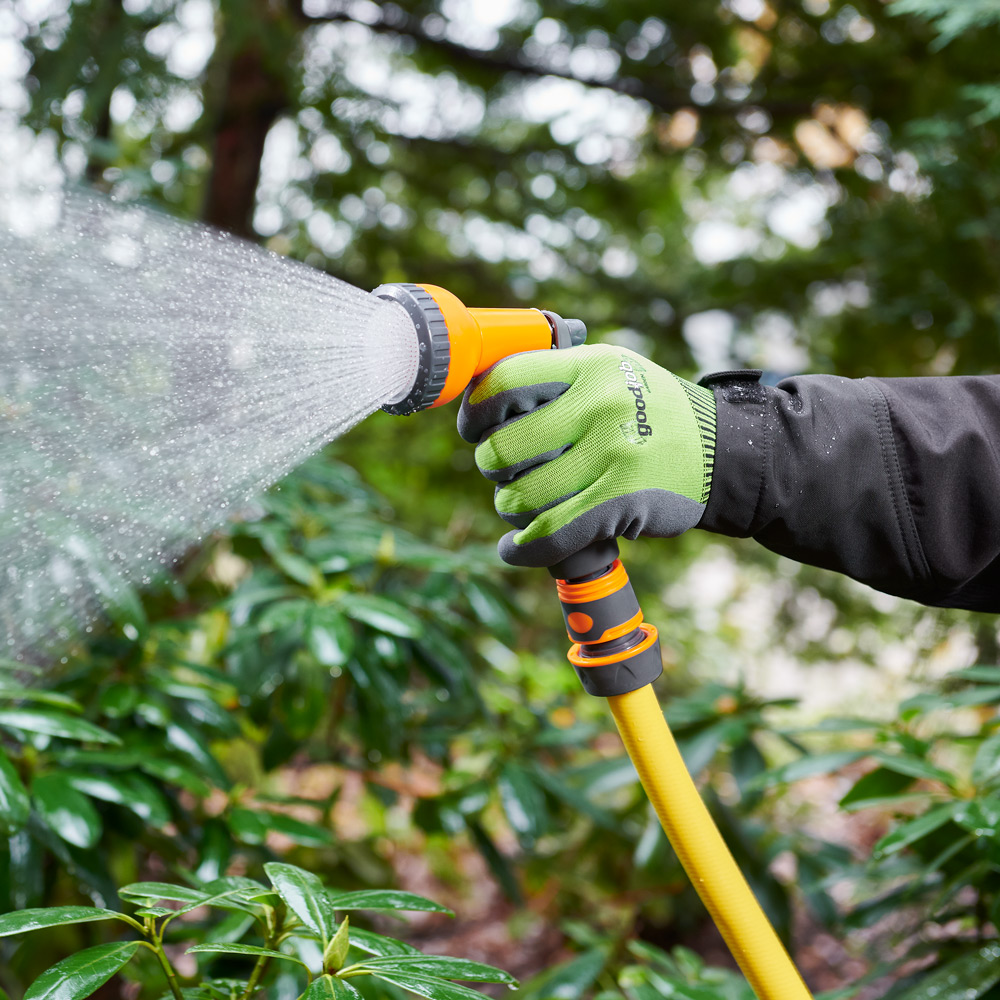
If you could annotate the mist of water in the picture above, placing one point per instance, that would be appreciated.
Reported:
(155, 376)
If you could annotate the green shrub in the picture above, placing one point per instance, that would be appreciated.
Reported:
(293, 924)
(934, 772)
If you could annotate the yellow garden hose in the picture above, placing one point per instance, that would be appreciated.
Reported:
(701, 849)
(616, 654)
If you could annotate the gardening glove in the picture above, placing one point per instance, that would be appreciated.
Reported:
(586, 444)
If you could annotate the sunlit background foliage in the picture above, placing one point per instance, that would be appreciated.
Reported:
(348, 677)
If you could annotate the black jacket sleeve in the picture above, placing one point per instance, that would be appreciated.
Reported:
(895, 482)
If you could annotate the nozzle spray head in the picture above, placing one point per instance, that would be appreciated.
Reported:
(455, 343)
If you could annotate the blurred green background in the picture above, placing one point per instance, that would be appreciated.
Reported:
(353, 680)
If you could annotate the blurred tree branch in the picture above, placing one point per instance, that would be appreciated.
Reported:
(394, 21)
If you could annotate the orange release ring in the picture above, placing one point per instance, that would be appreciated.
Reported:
(649, 638)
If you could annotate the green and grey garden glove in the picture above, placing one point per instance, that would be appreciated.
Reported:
(586, 444)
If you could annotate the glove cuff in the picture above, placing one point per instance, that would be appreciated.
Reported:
(742, 450)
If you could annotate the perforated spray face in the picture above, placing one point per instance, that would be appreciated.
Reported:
(407, 360)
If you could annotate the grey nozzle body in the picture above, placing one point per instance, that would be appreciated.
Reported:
(565, 332)
(577, 331)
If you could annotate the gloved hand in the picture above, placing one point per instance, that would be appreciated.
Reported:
(589, 443)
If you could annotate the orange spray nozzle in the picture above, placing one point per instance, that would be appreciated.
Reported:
(456, 343)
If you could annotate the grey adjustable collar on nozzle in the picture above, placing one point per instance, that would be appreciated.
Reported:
(433, 346)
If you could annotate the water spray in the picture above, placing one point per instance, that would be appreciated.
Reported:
(615, 653)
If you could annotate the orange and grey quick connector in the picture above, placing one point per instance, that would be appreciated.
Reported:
(614, 651)
(456, 343)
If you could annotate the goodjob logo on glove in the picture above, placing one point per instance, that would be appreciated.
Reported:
(639, 428)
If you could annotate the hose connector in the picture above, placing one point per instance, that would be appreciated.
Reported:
(614, 651)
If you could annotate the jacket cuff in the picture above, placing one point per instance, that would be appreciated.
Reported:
(742, 448)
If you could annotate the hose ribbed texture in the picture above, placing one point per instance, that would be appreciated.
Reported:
(701, 849)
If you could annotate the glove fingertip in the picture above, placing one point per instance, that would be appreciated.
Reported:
(469, 428)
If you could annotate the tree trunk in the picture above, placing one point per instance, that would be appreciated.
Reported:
(252, 99)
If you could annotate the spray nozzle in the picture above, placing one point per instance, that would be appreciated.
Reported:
(455, 343)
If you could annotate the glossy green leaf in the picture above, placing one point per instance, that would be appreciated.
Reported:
(652, 847)
(283, 614)
(577, 800)
(252, 826)
(67, 812)
(247, 887)
(189, 742)
(699, 749)
(23, 668)
(381, 614)
(933, 700)
(983, 674)
(44, 723)
(247, 825)
(224, 896)
(489, 609)
(427, 986)
(604, 776)
(965, 978)
(836, 724)
(14, 802)
(176, 774)
(523, 803)
(296, 830)
(215, 848)
(114, 760)
(118, 700)
(331, 988)
(809, 766)
(888, 801)
(914, 829)
(81, 974)
(324, 646)
(571, 980)
(916, 767)
(747, 764)
(129, 790)
(37, 695)
(385, 899)
(230, 929)
(235, 948)
(498, 864)
(379, 944)
(980, 816)
(299, 569)
(330, 637)
(878, 784)
(986, 766)
(22, 921)
(306, 898)
(23, 883)
(162, 890)
(444, 967)
(265, 897)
